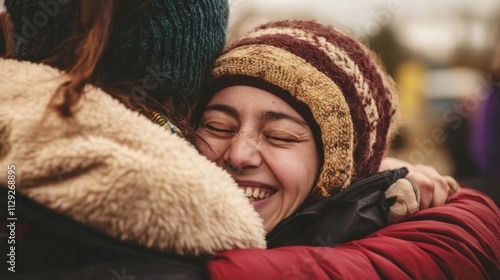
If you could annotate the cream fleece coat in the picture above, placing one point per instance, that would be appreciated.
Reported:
(116, 171)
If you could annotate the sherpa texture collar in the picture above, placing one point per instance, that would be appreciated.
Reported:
(116, 171)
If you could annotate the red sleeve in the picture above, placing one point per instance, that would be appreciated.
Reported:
(460, 240)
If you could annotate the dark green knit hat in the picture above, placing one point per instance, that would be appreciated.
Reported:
(173, 39)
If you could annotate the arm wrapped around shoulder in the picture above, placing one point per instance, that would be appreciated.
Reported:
(458, 240)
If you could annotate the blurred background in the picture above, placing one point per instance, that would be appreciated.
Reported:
(440, 54)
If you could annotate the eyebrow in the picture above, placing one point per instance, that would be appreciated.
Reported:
(275, 116)
(228, 110)
(267, 116)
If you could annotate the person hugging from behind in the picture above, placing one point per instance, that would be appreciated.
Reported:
(100, 188)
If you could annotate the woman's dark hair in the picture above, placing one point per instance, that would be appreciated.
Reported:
(3, 38)
(6, 27)
(80, 40)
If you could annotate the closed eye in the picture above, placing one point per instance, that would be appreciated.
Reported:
(216, 129)
(281, 139)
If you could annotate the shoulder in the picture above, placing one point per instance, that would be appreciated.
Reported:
(113, 169)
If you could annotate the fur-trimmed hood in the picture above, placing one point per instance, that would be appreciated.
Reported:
(116, 171)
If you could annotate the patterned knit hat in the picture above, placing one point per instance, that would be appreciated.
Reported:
(350, 102)
(173, 39)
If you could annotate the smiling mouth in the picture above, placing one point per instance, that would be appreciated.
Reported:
(256, 193)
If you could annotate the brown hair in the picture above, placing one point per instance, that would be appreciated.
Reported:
(6, 49)
(86, 28)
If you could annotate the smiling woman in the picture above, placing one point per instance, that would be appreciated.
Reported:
(298, 112)
(266, 146)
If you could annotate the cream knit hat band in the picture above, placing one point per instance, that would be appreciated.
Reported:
(348, 94)
(301, 108)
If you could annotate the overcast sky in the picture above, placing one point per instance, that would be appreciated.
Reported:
(358, 12)
(433, 28)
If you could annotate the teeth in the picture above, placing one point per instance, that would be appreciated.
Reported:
(256, 193)
(248, 192)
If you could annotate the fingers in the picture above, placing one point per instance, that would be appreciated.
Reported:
(440, 185)
(426, 188)
(434, 188)
(454, 186)
(406, 200)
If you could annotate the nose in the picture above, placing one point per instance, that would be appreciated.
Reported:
(243, 153)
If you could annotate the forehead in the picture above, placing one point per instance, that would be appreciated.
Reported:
(247, 99)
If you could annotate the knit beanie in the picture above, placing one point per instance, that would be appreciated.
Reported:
(177, 40)
(334, 81)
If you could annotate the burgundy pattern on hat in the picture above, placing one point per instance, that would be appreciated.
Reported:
(351, 98)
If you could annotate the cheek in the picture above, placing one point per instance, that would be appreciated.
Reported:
(296, 171)
(212, 149)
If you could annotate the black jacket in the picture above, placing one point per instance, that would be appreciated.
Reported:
(328, 221)
(49, 245)
(52, 246)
